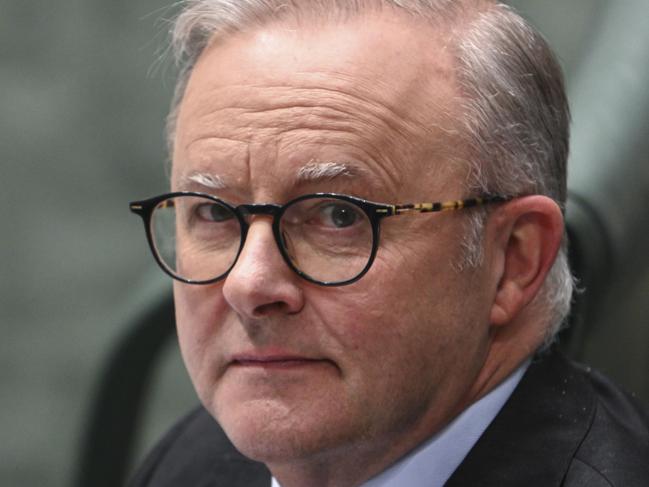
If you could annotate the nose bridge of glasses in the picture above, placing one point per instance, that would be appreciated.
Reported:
(258, 209)
(268, 209)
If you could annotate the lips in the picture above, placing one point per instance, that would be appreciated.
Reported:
(276, 363)
(270, 359)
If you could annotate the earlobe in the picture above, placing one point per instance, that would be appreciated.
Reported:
(530, 232)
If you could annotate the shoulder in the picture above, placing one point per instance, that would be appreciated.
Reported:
(615, 449)
(197, 452)
(564, 425)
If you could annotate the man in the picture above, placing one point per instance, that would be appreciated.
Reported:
(339, 331)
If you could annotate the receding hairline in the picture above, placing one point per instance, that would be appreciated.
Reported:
(226, 20)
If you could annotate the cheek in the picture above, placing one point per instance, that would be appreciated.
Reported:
(373, 329)
(199, 312)
(410, 307)
(390, 354)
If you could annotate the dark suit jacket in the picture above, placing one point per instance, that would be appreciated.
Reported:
(563, 426)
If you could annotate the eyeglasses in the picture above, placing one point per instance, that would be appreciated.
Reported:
(328, 239)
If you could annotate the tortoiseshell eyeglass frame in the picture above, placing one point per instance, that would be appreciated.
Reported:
(374, 211)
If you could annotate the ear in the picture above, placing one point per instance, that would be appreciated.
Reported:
(527, 233)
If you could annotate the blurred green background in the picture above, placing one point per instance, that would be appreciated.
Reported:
(84, 90)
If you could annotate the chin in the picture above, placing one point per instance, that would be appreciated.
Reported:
(272, 432)
(266, 431)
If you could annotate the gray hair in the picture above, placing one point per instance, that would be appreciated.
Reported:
(515, 113)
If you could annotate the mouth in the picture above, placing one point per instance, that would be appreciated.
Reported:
(274, 360)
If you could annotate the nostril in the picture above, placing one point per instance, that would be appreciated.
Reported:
(269, 309)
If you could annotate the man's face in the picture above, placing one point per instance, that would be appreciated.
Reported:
(293, 370)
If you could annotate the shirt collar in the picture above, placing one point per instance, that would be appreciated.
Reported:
(432, 463)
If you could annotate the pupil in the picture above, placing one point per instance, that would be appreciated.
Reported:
(343, 217)
(219, 213)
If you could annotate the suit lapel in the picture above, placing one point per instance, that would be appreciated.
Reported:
(535, 436)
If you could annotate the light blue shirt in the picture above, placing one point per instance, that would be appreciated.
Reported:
(432, 463)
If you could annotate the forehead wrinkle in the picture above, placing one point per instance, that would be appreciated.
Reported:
(390, 129)
(238, 109)
(333, 97)
(315, 114)
(371, 126)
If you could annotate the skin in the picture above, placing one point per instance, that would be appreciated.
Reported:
(380, 365)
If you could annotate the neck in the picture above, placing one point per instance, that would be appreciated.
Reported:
(509, 347)
(355, 464)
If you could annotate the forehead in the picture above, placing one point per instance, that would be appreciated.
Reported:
(376, 93)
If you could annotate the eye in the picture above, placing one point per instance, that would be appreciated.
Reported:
(214, 212)
(339, 215)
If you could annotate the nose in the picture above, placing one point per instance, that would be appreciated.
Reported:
(261, 284)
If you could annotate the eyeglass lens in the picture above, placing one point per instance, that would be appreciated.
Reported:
(198, 239)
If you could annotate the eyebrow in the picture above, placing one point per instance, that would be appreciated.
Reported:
(211, 181)
(315, 171)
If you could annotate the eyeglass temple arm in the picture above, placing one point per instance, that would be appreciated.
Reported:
(444, 205)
